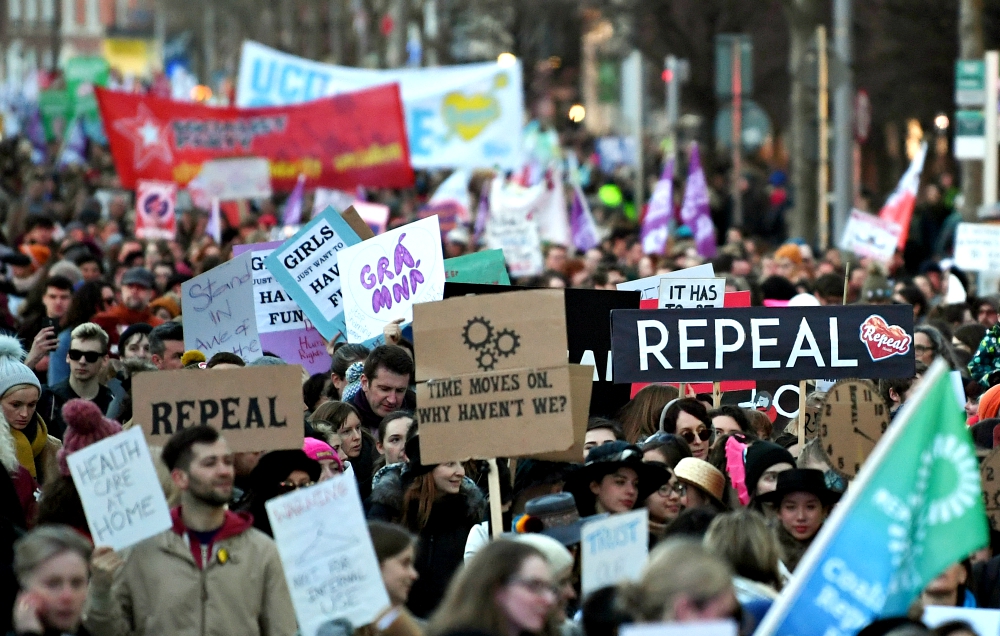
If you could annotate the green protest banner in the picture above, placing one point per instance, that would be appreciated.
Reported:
(82, 75)
(486, 267)
(55, 108)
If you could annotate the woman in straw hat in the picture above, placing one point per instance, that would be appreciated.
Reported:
(803, 503)
(704, 484)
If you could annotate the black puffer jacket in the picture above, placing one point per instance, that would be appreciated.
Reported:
(442, 541)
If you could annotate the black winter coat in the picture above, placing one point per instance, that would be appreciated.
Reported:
(441, 549)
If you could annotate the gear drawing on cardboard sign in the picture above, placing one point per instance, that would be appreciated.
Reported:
(480, 335)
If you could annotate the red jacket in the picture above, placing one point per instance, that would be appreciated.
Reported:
(118, 319)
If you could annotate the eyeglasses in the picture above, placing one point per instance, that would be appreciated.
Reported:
(537, 587)
(666, 490)
(289, 486)
(89, 356)
(703, 434)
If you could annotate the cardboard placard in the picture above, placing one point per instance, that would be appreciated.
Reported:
(119, 490)
(989, 472)
(581, 388)
(977, 247)
(255, 408)
(763, 343)
(156, 210)
(613, 550)
(327, 555)
(282, 325)
(219, 313)
(492, 378)
(383, 277)
(486, 267)
(691, 293)
(588, 334)
(352, 218)
(870, 236)
(306, 268)
(649, 287)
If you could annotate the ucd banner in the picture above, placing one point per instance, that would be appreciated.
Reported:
(456, 116)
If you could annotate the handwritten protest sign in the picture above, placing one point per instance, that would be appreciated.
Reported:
(219, 311)
(486, 267)
(255, 408)
(119, 490)
(156, 210)
(385, 276)
(492, 378)
(985, 622)
(283, 327)
(330, 565)
(613, 549)
(511, 227)
(306, 267)
(977, 247)
(691, 293)
(235, 178)
(649, 287)
(870, 236)
(873, 341)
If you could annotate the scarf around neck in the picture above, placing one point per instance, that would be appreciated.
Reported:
(30, 443)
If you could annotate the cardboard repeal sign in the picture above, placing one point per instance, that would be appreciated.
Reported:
(327, 555)
(588, 334)
(255, 408)
(119, 490)
(307, 269)
(989, 472)
(780, 343)
(613, 550)
(691, 293)
(492, 378)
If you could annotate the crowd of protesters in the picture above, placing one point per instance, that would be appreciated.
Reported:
(87, 307)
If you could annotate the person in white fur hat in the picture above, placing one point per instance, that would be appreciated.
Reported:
(19, 392)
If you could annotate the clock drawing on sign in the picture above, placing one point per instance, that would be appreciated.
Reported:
(851, 421)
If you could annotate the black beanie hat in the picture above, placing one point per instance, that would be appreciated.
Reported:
(762, 455)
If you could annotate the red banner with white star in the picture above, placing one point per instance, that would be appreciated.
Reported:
(340, 142)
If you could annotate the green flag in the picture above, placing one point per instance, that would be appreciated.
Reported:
(915, 508)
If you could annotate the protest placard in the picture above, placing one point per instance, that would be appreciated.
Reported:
(156, 210)
(989, 473)
(466, 115)
(283, 327)
(486, 267)
(649, 287)
(984, 622)
(330, 565)
(492, 378)
(781, 343)
(385, 276)
(353, 219)
(696, 628)
(613, 550)
(219, 311)
(588, 334)
(870, 236)
(511, 227)
(691, 293)
(977, 247)
(255, 408)
(306, 267)
(119, 490)
(235, 178)
(581, 388)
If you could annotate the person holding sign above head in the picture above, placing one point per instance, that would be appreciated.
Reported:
(803, 502)
(438, 504)
(52, 566)
(211, 573)
(385, 383)
(688, 418)
(614, 479)
(19, 394)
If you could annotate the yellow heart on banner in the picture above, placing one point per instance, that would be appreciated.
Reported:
(468, 116)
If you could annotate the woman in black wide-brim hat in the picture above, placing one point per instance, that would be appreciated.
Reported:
(802, 502)
(614, 479)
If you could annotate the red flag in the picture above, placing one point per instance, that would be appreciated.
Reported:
(899, 206)
(350, 140)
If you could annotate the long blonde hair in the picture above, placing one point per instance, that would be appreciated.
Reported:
(751, 547)
(8, 449)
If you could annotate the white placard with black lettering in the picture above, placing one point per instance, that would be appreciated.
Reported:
(691, 293)
(614, 549)
(977, 247)
(649, 287)
(696, 628)
(985, 622)
(119, 489)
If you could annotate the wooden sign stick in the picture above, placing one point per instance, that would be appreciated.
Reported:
(802, 414)
(847, 277)
(716, 395)
(496, 507)
(682, 389)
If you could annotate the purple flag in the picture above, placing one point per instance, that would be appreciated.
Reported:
(74, 148)
(582, 223)
(695, 213)
(293, 206)
(656, 225)
(35, 133)
(482, 212)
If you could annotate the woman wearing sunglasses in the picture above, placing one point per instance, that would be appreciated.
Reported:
(277, 473)
(688, 418)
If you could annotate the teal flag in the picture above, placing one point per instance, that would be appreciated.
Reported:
(486, 267)
(915, 508)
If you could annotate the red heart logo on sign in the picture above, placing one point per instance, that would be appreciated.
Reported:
(884, 340)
